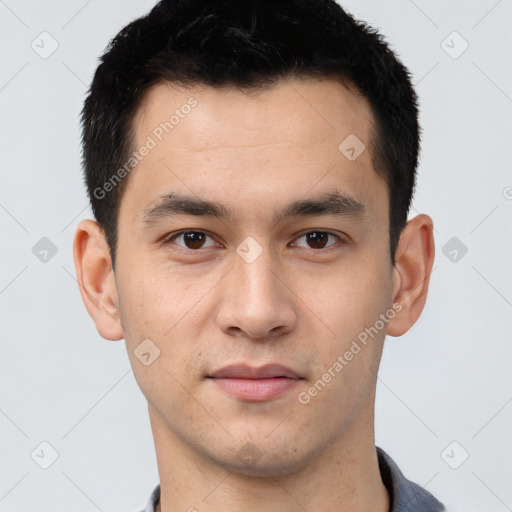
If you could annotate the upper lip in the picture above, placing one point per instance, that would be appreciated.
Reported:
(243, 371)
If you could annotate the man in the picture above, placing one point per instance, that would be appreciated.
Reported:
(251, 166)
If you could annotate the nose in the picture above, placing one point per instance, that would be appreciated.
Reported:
(256, 301)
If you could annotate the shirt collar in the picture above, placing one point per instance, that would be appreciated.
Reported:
(404, 495)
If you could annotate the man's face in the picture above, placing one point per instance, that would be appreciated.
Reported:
(262, 284)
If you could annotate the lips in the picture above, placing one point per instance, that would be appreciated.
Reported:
(252, 384)
(268, 371)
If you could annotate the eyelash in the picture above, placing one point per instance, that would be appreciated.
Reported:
(174, 236)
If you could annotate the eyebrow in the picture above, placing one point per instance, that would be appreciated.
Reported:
(333, 203)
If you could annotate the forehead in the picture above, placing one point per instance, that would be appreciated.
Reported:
(240, 145)
(311, 109)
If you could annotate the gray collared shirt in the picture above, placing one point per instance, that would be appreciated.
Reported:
(405, 496)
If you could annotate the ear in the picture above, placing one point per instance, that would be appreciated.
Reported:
(96, 279)
(411, 274)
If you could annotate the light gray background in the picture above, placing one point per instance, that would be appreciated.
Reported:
(448, 379)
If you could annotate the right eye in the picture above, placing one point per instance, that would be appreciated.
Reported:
(191, 239)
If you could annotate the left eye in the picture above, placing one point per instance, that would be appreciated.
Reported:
(318, 239)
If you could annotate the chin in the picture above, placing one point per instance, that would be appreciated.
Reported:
(263, 467)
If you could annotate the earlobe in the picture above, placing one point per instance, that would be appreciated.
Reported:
(411, 275)
(96, 279)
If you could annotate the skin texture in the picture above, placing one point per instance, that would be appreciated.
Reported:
(296, 304)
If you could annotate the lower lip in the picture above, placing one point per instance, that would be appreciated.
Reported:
(257, 390)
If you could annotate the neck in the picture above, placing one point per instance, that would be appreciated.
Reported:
(344, 477)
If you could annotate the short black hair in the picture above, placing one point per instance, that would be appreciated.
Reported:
(249, 44)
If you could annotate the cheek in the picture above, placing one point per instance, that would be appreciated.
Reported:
(154, 301)
(349, 297)
(169, 311)
(153, 316)
(348, 329)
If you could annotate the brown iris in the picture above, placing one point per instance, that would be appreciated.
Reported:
(194, 239)
(317, 239)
